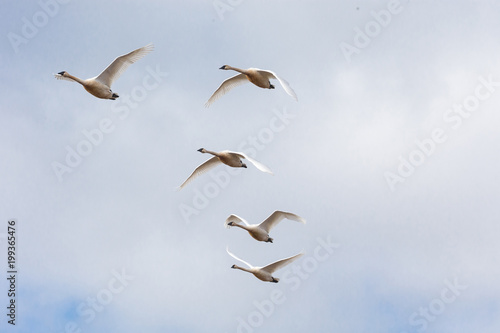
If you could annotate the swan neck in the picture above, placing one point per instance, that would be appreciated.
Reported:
(243, 269)
(240, 226)
(74, 78)
(237, 69)
(210, 152)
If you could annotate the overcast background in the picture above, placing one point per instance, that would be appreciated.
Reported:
(413, 256)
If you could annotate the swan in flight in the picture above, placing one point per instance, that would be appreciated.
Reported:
(265, 273)
(100, 86)
(233, 159)
(259, 77)
(261, 231)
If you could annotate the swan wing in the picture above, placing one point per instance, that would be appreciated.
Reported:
(257, 164)
(201, 169)
(236, 219)
(284, 84)
(280, 263)
(227, 85)
(276, 218)
(60, 77)
(120, 64)
(235, 257)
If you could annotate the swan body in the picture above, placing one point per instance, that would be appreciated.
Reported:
(259, 77)
(265, 273)
(260, 231)
(100, 86)
(233, 159)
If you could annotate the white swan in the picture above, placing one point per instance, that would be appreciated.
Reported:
(100, 86)
(261, 231)
(259, 77)
(227, 157)
(265, 273)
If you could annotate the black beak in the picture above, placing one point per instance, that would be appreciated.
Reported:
(244, 165)
(61, 73)
(233, 266)
(223, 67)
(200, 150)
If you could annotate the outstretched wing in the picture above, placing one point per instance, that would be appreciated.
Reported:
(235, 257)
(236, 219)
(257, 164)
(280, 263)
(276, 217)
(120, 64)
(284, 84)
(227, 85)
(201, 169)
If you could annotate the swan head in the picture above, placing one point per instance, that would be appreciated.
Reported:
(114, 95)
(62, 73)
(201, 150)
(271, 86)
(243, 165)
(275, 280)
(269, 239)
(224, 67)
(230, 224)
(234, 266)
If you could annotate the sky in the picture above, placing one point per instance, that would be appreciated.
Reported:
(390, 154)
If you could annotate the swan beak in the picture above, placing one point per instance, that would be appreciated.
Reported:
(244, 166)
(223, 67)
(61, 73)
(115, 95)
(271, 86)
(200, 150)
(234, 266)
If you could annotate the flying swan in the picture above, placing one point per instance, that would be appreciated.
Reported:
(233, 159)
(100, 86)
(261, 231)
(264, 273)
(259, 77)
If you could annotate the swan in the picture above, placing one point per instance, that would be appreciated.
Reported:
(265, 273)
(261, 231)
(100, 86)
(233, 159)
(259, 77)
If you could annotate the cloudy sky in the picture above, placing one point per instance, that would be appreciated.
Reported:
(390, 154)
